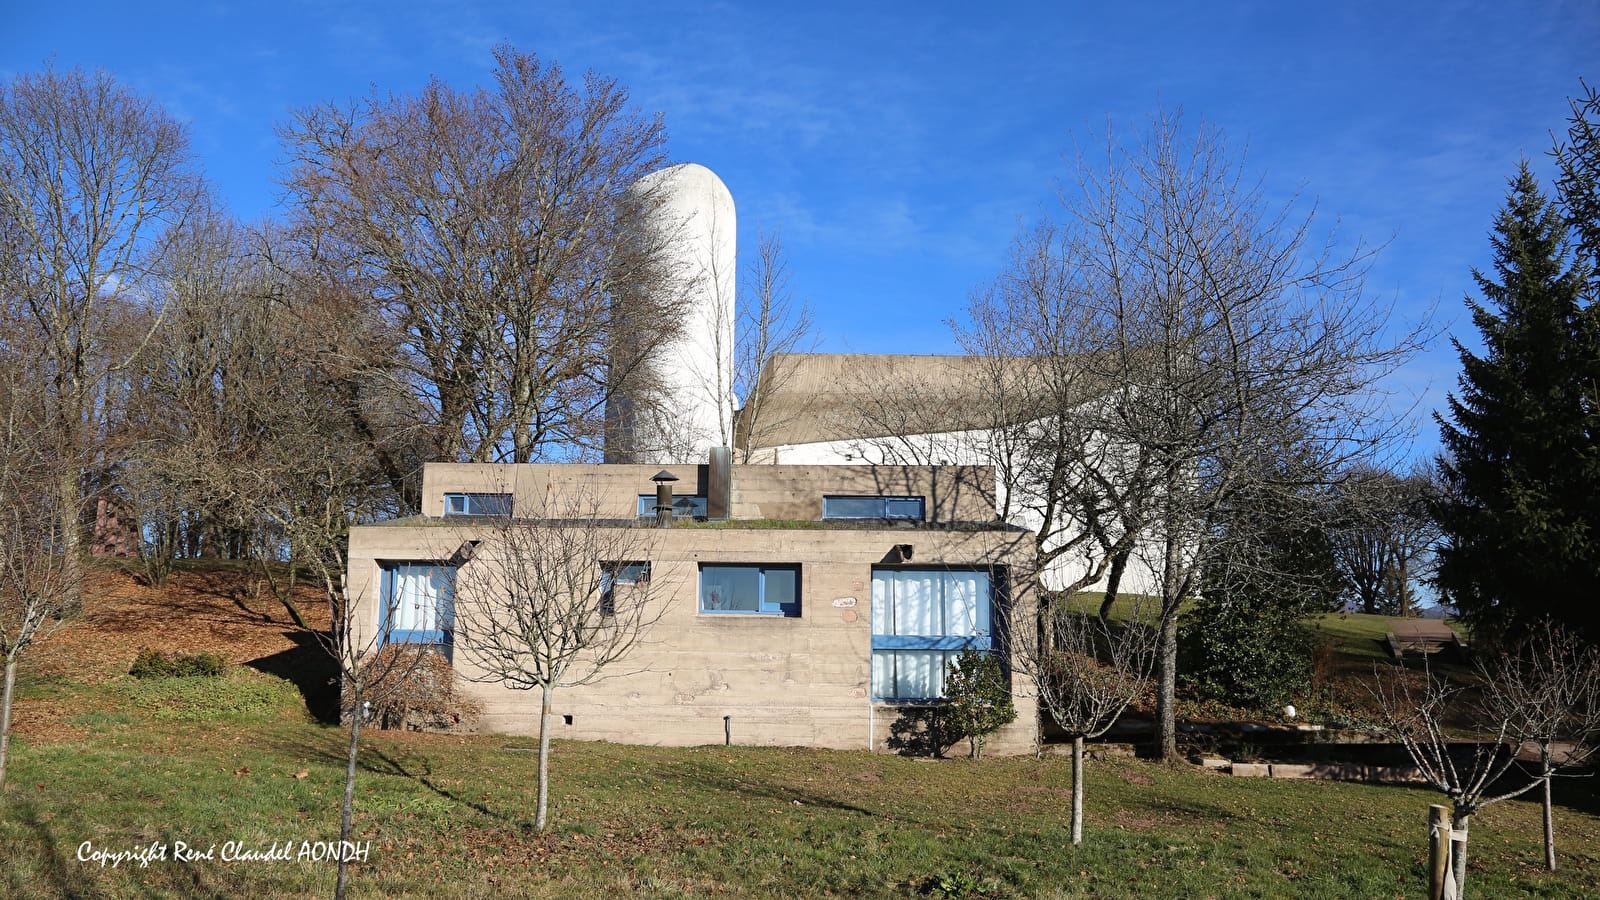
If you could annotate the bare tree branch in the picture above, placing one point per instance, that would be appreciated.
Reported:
(554, 602)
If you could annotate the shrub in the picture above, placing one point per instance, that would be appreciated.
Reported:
(155, 664)
(978, 698)
(240, 695)
(414, 686)
(1256, 658)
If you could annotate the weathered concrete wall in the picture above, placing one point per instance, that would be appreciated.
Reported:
(783, 681)
(953, 493)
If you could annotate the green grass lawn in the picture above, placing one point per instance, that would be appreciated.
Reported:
(449, 816)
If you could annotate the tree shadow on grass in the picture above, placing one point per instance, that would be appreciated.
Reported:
(375, 760)
(421, 772)
(51, 860)
(309, 667)
(189, 878)
(754, 787)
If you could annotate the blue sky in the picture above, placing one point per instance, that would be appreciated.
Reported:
(898, 146)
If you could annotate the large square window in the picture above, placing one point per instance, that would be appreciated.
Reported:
(754, 590)
(418, 604)
(922, 618)
(874, 508)
(477, 504)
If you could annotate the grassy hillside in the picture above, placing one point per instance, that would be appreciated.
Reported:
(124, 764)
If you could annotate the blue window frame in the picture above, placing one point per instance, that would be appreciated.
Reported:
(418, 604)
(921, 618)
(750, 590)
(684, 506)
(613, 574)
(477, 504)
(874, 508)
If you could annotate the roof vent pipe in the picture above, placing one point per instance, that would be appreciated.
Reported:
(663, 480)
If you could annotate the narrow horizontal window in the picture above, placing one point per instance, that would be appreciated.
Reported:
(874, 508)
(684, 506)
(477, 504)
(751, 590)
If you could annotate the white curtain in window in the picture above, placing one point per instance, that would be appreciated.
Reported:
(913, 604)
(928, 603)
(909, 674)
(421, 599)
(962, 591)
(920, 674)
(883, 674)
(882, 604)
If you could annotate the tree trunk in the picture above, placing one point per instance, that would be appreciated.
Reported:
(1402, 589)
(1549, 820)
(1077, 790)
(5, 717)
(68, 486)
(1119, 564)
(1167, 686)
(542, 813)
(1167, 651)
(346, 814)
(1458, 851)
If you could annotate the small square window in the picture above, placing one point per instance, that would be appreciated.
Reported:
(613, 574)
(750, 590)
(418, 604)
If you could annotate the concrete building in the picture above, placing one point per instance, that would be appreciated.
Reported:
(793, 605)
(901, 409)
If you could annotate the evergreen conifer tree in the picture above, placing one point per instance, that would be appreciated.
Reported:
(1578, 181)
(1522, 438)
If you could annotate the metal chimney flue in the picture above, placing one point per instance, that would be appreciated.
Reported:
(663, 480)
(719, 484)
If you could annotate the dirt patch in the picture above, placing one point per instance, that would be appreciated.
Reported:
(1132, 777)
(200, 611)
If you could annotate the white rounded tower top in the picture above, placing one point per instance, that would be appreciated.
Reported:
(693, 213)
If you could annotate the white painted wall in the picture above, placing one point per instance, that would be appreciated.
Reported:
(963, 448)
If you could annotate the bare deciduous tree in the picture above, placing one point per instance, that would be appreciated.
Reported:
(772, 326)
(1085, 495)
(302, 405)
(494, 230)
(191, 412)
(39, 587)
(93, 179)
(1383, 534)
(1215, 323)
(1550, 684)
(1538, 692)
(555, 602)
(1087, 671)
